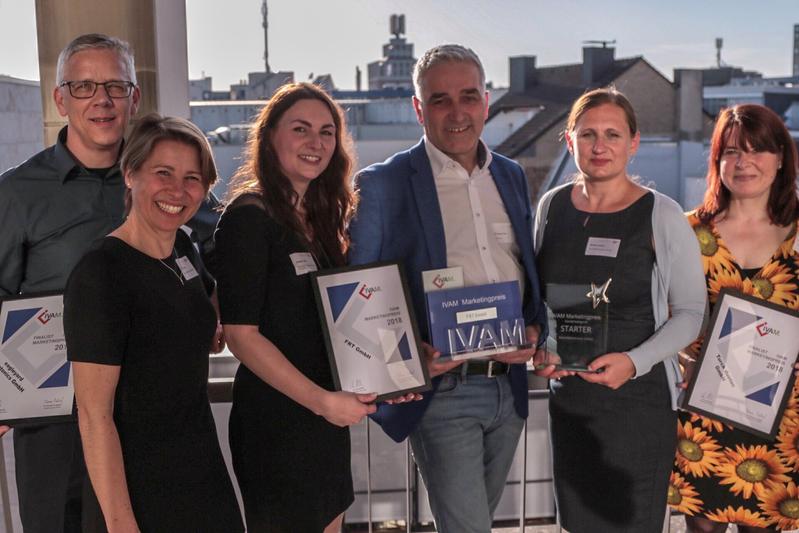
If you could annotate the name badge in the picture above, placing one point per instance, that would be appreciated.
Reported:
(303, 263)
(503, 232)
(442, 278)
(186, 268)
(603, 247)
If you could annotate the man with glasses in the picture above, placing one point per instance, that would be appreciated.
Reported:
(52, 208)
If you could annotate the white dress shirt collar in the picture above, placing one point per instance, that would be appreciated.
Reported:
(440, 161)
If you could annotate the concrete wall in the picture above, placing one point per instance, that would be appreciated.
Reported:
(20, 121)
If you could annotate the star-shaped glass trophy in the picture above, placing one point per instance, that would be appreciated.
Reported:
(578, 324)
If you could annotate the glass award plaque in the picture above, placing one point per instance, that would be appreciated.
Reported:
(479, 321)
(578, 318)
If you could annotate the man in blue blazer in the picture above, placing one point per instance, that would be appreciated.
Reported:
(447, 202)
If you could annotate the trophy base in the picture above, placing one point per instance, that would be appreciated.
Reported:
(486, 353)
(571, 367)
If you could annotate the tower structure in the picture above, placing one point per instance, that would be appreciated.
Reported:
(395, 69)
(264, 16)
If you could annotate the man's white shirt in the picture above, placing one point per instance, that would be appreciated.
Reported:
(479, 236)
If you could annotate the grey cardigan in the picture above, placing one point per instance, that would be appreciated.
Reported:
(679, 293)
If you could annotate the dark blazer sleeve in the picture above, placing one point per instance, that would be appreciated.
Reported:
(366, 228)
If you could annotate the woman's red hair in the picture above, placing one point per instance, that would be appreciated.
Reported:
(752, 127)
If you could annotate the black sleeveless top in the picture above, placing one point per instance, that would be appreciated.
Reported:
(562, 259)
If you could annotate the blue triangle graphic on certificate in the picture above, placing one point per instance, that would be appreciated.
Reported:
(59, 378)
(339, 295)
(735, 320)
(405, 348)
(765, 395)
(16, 319)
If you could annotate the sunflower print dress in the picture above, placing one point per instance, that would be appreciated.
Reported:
(722, 473)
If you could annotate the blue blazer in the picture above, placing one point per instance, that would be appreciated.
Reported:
(399, 219)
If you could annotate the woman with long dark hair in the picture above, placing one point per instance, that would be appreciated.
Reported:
(746, 228)
(287, 217)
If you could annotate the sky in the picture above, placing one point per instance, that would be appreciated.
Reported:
(225, 38)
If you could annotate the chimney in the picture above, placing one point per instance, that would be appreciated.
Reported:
(523, 75)
(688, 122)
(596, 61)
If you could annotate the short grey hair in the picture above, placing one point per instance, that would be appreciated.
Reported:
(444, 53)
(96, 41)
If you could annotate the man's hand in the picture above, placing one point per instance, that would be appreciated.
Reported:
(524, 355)
(615, 369)
(434, 366)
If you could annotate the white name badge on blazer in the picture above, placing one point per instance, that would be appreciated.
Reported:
(303, 263)
(186, 268)
(603, 247)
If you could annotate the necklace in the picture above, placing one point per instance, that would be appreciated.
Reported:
(177, 274)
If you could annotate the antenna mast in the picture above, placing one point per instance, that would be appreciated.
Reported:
(264, 13)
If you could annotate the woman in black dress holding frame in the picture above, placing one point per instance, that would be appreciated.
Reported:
(139, 324)
(291, 203)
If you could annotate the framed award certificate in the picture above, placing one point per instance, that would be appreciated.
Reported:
(370, 330)
(35, 376)
(745, 369)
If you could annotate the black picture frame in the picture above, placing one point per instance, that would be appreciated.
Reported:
(711, 366)
(320, 281)
(11, 413)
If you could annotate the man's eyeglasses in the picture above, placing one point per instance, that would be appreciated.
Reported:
(87, 88)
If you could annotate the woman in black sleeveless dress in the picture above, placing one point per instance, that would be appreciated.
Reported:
(288, 430)
(139, 324)
(611, 430)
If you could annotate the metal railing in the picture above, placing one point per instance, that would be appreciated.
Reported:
(220, 391)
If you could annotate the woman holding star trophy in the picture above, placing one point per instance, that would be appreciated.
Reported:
(622, 276)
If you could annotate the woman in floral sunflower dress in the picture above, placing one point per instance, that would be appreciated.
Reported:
(746, 227)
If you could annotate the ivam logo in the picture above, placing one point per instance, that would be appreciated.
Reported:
(439, 281)
(46, 316)
(764, 329)
(367, 292)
